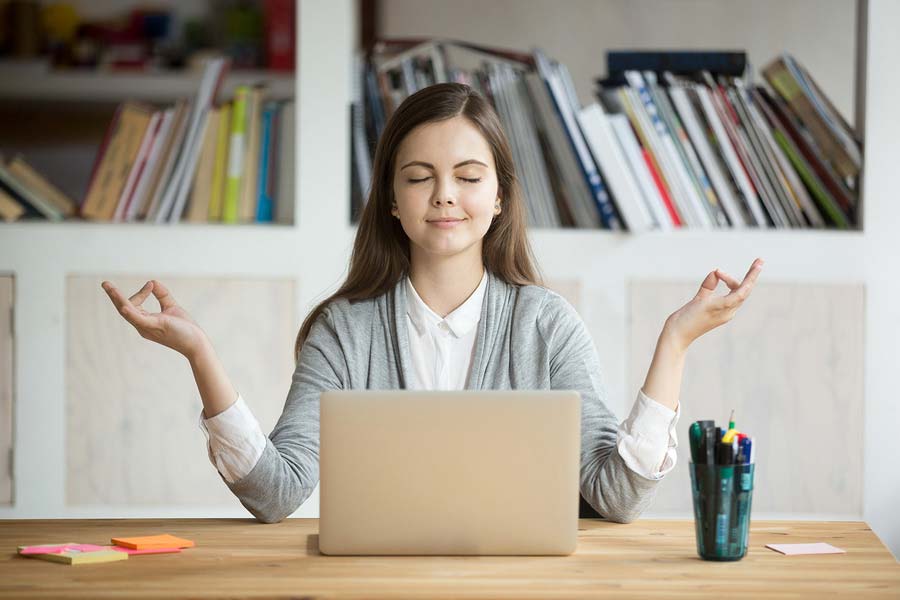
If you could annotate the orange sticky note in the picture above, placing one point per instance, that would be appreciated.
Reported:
(153, 541)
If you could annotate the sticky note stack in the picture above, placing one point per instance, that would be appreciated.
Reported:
(72, 553)
(152, 544)
(75, 554)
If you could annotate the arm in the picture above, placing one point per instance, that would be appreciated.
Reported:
(607, 483)
(288, 468)
(663, 381)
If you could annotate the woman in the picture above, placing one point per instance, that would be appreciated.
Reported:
(442, 292)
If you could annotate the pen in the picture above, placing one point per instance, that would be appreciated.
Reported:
(745, 450)
(695, 434)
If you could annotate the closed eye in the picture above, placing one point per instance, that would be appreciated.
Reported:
(476, 180)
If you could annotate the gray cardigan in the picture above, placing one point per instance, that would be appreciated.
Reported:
(528, 337)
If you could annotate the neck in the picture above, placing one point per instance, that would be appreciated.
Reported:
(446, 283)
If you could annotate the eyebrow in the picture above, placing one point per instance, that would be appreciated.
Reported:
(431, 166)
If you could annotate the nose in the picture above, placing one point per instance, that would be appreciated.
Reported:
(443, 193)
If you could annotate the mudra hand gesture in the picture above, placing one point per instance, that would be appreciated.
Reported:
(173, 327)
(707, 310)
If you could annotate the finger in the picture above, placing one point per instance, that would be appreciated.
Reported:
(126, 309)
(730, 281)
(740, 294)
(163, 295)
(142, 294)
(708, 286)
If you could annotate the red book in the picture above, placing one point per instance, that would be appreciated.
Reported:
(663, 191)
(279, 32)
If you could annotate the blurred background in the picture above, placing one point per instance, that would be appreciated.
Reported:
(225, 148)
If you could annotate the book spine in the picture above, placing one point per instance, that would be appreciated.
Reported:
(235, 155)
(264, 200)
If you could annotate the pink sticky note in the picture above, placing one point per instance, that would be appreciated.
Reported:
(145, 550)
(58, 549)
(819, 548)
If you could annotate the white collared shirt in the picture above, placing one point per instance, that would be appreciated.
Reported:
(441, 350)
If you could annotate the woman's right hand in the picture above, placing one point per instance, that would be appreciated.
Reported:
(173, 327)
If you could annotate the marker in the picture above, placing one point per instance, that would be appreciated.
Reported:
(745, 449)
(695, 434)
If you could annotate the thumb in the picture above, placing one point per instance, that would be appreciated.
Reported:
(709, 285)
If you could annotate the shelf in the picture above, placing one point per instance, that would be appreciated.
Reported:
(100, 87)
(184, 248)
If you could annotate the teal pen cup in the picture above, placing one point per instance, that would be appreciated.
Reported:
(722, 496)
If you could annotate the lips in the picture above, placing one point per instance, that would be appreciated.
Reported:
(444, 220)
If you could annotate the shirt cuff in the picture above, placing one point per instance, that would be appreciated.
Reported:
(235, 440)
(647, 439)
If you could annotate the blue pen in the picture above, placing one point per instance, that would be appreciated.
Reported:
(745, 449)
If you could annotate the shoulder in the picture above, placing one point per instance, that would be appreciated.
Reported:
(556, 319)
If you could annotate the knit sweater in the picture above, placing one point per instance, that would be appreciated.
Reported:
(528, 337)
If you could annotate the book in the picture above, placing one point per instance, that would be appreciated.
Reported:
(678, 62)
(175, 196)
(165, 166)
(697, 131)
(115, 159)
(198, 205)
(691, 205)
(250, 174)
(604, 146)
(148, 176)
(735, 167)
(638, 166)
(264, 196)
(790, 86)
(223, 134)
(10, 208)
(285, 182)
(137, 168)
(236, 150)
(41, 186)
(23, 194)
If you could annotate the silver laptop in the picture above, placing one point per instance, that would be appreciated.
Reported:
(449, 472)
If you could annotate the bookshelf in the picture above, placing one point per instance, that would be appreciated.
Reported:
(315, 251)
(44, 85)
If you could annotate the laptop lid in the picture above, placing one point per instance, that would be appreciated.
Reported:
(449, 472)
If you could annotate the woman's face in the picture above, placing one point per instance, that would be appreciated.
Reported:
(445, 170)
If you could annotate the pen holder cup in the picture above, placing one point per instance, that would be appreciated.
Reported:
(722, 497)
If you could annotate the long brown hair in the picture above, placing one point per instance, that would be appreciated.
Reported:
(380, 256)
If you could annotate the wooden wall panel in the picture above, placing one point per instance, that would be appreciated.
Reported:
(133, 406)
(791, 365)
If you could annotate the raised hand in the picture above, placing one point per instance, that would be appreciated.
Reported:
(172, 327)
(707, 310)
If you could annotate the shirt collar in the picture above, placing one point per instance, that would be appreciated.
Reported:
(460, 321)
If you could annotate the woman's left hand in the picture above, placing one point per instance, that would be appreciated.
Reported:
(706, 311)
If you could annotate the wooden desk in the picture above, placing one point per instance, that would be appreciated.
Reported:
(243, 558)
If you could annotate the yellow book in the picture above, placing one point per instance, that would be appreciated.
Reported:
(27, 175)
(115, 159)
(220, 167)
(236, 150)
(250, 181)
(198, 207)
(10, 209)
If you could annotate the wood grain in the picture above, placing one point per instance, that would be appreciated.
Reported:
(132, 406)
(791, 365)
(240, 558)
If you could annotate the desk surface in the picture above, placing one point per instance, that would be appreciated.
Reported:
(243, 558)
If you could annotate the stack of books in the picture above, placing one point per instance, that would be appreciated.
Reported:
(674, 140)
(199, 160)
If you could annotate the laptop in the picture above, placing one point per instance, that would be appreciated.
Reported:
(406, 472)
